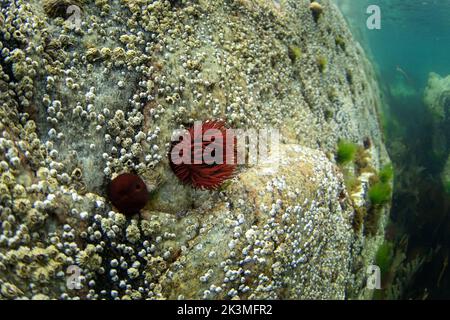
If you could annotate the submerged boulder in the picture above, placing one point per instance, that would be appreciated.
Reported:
(85, 100)
(437, 100)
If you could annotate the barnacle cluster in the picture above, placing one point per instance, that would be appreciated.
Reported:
(81, 105)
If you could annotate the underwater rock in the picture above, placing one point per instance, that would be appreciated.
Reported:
(79, 106)
(437, 100)
(445, 176)
(401, 90)
(269, 235)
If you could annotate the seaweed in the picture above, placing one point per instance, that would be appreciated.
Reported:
(340, 42)
(380, 193)
(358, 218)
(372, 220)
(386, 174)
(447, 187)
(383, 257)
(346, 152)
(322, 63)
(294, 53)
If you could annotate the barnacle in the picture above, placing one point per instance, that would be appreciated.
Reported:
(35, 218)
(89, 258)
(10, 291)
(322, 63)
(132, 232)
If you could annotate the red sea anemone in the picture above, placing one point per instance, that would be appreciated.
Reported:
(206, 158)
(128, 193)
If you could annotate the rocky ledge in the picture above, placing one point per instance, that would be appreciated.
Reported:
(91, 89)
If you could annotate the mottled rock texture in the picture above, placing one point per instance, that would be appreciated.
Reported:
(437, 100)
(80, 105)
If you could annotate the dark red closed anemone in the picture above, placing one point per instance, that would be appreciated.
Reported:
(128, 193)
(210, 138)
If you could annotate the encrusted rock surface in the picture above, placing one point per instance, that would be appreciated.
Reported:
(437, 100)
(79, 106)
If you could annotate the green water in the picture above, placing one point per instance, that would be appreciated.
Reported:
(414, 40)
